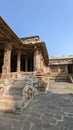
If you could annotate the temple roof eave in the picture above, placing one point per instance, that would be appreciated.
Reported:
(7, 34)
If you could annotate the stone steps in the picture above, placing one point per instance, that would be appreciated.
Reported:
(58, 77)
(11, 95)
(4, 96)
(70, 78)
(7, 104)
(16, 93)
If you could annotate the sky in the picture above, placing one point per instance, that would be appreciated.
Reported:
(51, 20)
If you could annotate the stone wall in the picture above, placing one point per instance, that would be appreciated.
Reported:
(28, 40)
(39, 64)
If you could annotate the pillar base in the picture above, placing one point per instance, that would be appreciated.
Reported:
(5, 73)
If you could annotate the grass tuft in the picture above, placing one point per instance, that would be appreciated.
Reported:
(69, 88)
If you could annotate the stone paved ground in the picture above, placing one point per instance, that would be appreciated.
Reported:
(51, 111)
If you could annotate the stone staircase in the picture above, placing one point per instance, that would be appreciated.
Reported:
(58, 77)
(11, 98)
(16, 94)
(70, 78)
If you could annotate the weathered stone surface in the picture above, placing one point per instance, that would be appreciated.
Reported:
(16, 94)
(49, 111)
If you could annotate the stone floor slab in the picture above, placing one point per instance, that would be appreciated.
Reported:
(51, 111)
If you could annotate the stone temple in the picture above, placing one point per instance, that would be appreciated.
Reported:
(24, 68)
(61, 68)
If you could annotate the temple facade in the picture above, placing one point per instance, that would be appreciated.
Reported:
(21, 56)
(24, 68)
(61, 68)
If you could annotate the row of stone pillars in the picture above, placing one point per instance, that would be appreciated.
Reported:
(19, 62)
(6, 68)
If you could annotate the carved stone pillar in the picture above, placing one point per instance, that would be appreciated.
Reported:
(18, 62)
(37, 60)
(6, 62)
(66, 69)
(58, 69)
(26, 63)
(31, 64)
(34, 60)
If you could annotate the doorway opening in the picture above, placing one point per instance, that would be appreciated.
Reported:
(70, 68)
(13, 62)
(22, 63)
(1, 59)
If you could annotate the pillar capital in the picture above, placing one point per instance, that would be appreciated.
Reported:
(8, 46)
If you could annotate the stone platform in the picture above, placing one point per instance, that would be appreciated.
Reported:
(51, 111)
